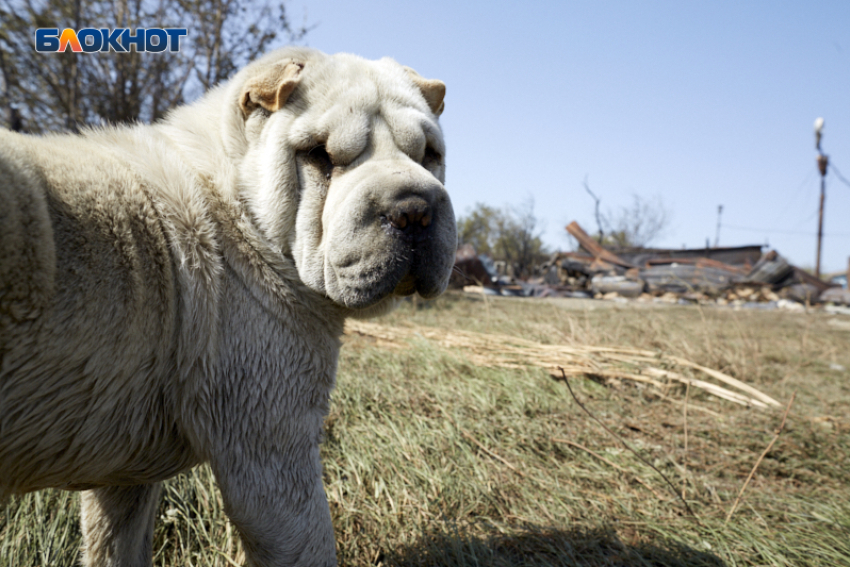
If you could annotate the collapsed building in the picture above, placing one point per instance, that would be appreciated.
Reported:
(737, 275)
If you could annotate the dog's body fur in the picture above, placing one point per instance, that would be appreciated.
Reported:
(175, 294)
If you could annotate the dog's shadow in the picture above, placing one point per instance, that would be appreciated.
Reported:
(543, 547)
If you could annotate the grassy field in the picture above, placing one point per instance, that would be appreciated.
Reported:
(432, 457)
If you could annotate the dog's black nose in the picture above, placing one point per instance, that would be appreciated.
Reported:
(411, 215)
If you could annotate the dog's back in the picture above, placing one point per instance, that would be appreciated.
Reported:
(86, 280)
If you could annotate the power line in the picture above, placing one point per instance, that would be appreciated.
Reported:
(838, 174)
(807, 219)
(785, 231)
(797, 192)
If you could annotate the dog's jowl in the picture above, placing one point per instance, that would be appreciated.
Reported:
(174, 294)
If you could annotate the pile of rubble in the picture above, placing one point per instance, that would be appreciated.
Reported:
(726, 276)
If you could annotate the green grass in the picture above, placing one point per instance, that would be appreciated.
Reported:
(431, 460)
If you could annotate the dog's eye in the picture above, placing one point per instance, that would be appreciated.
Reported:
(432, 157)
(320, 158)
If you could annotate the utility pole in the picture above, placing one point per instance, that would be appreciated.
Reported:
(823, 162)
(717, 234)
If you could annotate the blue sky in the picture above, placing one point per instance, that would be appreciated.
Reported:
(701, 103)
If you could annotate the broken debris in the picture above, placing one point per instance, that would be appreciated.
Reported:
(738, 276)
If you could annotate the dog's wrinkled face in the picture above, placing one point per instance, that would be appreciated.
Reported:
(344, 171)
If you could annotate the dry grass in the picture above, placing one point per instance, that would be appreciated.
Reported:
(435, 457)
(505, 351)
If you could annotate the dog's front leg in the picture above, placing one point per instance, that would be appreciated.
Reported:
(278, 504)
(117, 524)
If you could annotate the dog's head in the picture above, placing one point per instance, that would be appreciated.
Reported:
(341, 163)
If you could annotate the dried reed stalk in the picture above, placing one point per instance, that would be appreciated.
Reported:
(563, 378)
(760, 459)
(502, 351)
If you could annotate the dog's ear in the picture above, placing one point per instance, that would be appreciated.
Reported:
(433, 90)
(271, 88)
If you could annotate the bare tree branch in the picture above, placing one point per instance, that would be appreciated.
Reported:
(637, 224)
(66, 91)
(598, 218)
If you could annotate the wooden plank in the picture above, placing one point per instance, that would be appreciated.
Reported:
(699, 261)
(807, 278)
(596, 249)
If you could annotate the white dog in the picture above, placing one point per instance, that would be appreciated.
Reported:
(175, 294)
